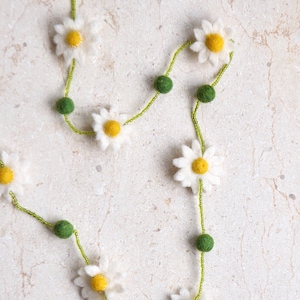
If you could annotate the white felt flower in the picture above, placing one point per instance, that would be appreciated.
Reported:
(213, 42)
(110, 130)
(184, 294)
(75, 39)
(13, 175)
(194, 166)
(97, 281)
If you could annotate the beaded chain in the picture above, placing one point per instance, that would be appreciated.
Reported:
(198, 168)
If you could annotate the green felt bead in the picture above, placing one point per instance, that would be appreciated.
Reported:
(65, 106)
(63, 229)
(204, 242)
(163, 84)
(206, 93)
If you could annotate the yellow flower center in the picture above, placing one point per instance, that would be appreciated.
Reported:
(199, 166)
(6, 175)
(214, 42)
(112, 128)
(99, 283)
(74, 38)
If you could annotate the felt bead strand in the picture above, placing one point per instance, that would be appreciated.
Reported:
(62, 229)
(163, 84)
(204, 242)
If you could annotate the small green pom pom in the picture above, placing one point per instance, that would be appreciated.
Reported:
(206, 93)
(204, 242)
(63, 229)
(65, 106)
(163, 84)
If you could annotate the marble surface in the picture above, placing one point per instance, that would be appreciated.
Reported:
(127, 205)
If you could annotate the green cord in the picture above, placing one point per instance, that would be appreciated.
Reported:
(222, 71)
(87, 261)
(70, 77)
(152, 100)
(175, 56)
(44, 222)
(73, 9)
(144, 110)
(29, 212)
(201, 206)
(203, 231)
(75, 129)
(202, 277)
(197, 128)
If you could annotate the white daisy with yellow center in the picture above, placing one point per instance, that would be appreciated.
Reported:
(194, 166)
(213, 42)
(96, 281)
(75, 39)
(13, 174)
(109, 129)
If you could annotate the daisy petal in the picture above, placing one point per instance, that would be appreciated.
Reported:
(180, 162)
(188, 152)
(92, 270)
(86, 292)
(218, 26)
(59, 29)
(209, 153)
(199, 34)
(196, 147)
(207, 27)
(104, 142)
(196, 47)
(79, 281)
(179, 176)
(203, 56)
(213, 58)
(207, 186)
(195, 187)
(5, 157)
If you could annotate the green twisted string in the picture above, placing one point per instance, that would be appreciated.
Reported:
(152, 100)
(46, 223)
(202, 142)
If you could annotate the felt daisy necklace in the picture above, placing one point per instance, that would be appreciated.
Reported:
(199, 167)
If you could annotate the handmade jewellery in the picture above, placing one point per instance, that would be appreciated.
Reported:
(199, 167)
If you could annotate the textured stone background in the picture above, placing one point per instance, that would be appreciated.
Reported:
(144, 219)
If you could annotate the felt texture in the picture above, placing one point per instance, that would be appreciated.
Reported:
(63, 229)
(163, 84)
(65, 106)
(206, 93)
(204, 242)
